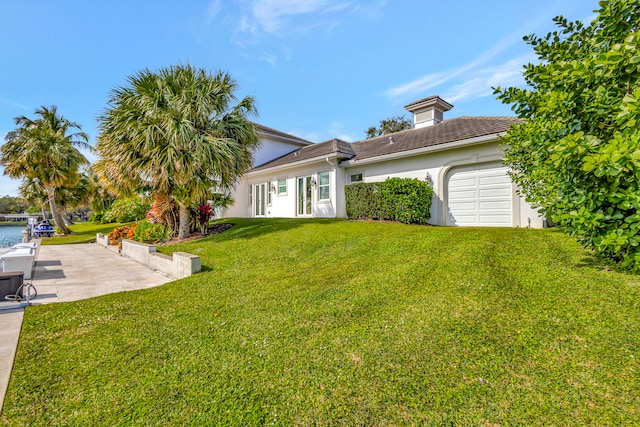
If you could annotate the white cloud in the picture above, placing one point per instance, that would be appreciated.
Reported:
(436, 79)
(215, 6)
(282, 17)
(480, 83)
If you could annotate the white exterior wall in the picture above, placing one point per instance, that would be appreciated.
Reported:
(285, 205)
(271, 149)
(268, 150)
(433, 167)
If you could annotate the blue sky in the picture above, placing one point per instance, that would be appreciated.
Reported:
(318, 69)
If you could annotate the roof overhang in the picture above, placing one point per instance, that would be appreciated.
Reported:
(304, 162)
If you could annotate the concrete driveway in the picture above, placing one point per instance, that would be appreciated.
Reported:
(70, 273)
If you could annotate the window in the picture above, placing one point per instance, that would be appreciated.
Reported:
(282, 186)
(355, 177)
(250, 195)
(323, 186)
(269, 193)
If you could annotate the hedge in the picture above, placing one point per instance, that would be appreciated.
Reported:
(407, 200)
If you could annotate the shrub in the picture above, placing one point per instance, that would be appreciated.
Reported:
(147, 232)
(119, 233)
(127, 210)
(407, 200)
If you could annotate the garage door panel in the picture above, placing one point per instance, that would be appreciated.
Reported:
(501, 193)
(501, 205)
(479, 195)
(463, 194)
(465, 183)
(464, 206)
(494, 180)
(497, 220)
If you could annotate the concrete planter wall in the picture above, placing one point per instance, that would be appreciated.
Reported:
(180, 265)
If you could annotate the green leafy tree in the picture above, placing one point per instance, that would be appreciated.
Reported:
(390, 125)
(45, 149)
(577, 154)
(11, 205)
(176, 133)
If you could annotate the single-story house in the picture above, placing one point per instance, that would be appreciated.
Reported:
(461, 158)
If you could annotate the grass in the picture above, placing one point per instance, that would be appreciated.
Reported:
(84, 232)
(329, 322)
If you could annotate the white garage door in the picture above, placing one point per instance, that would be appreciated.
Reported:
(479, 195)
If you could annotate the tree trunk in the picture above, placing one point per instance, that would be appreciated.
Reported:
(57, 218)
(185, 223)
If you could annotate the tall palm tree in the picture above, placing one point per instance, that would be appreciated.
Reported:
(176, 132)
(45, 148)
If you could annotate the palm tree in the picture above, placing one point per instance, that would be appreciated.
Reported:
(176, 132)
(45, 149)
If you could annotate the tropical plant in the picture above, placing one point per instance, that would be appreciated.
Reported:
(45, 148)
(577, 154)
(176, 133)
(127, 209)
(148, 232)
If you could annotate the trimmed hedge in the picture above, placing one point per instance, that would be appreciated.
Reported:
(407, 200)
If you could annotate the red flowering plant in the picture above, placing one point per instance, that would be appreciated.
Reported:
(205, 212)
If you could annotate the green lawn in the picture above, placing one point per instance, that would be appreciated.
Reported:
(330, 322)
(83, 232)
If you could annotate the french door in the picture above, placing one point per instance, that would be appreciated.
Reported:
(260, 199)
(304, 191)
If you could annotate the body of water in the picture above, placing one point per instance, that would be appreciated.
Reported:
(10, 235)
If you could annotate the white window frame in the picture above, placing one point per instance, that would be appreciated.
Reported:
(356, 173)
(286, 187)
(269, 194)
(328, 185)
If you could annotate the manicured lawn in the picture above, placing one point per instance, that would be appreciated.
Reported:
(329, 322)
(83, 232)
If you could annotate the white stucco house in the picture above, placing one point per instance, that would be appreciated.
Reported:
(461, 158)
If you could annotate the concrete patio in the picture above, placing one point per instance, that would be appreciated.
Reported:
(70, 273)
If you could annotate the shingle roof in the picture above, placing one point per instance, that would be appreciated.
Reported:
(447, 131)
(457, 129)
(326, 148)
(271, 131)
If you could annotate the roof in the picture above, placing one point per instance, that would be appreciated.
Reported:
(429, 101)
(332, 147)
(276, 134)
(447, 131)
(457, 129)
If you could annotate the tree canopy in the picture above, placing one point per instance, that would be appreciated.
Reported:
(390, 125)
(177, 133)
(577, 154)
(45, 149)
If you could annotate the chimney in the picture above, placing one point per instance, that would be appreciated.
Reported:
(428, 111)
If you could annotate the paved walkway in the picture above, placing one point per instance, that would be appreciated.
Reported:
(70, 273)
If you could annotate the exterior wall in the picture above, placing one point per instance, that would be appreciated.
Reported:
(285, 205)
(271, 149)
(433, 167)
(268, 150)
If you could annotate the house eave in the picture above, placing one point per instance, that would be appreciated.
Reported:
(418, 151)
(321, 158)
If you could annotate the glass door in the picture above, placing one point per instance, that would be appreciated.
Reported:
(259, 194)
(304, 191)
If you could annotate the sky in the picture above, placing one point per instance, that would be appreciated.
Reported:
(318, 69)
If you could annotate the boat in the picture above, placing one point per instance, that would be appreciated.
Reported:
(44, 229)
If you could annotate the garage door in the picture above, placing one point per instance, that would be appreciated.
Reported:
(479, 195)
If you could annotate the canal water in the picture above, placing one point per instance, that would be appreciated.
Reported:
(10, 235)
